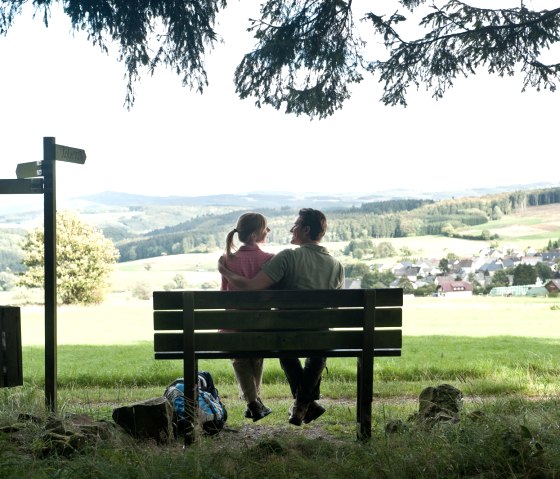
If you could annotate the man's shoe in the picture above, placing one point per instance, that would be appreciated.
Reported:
(297, 412)
(266, 409)
(257, 410)
(314, 410)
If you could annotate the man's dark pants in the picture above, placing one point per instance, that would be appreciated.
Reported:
(305, 381)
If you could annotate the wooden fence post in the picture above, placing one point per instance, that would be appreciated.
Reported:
(10, 347)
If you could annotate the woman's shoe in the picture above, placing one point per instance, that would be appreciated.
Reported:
(249, 414)
(257, 410)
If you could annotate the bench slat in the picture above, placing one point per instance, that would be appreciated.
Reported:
(169, 300)
(270, 341)
(332, 353)
(275, 319)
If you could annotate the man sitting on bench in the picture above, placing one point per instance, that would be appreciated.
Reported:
(308, 267)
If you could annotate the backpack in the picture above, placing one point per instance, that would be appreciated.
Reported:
(211, 411)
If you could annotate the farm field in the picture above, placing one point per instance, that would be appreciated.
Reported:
(122, 320)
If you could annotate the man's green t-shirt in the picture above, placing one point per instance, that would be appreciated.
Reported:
(308, 267)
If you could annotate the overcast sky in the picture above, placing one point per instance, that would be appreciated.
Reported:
(484, 132)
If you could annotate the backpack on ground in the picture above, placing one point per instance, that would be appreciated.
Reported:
(211, 411)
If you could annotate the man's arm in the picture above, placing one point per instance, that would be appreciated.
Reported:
(260, 281)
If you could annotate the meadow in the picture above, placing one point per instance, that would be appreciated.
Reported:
(502, 353)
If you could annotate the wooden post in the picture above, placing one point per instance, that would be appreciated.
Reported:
(189, 368)
(49, 175)
(10, 347)
(365, 395)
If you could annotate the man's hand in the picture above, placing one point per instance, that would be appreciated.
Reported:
(221, 265)
(260, 281)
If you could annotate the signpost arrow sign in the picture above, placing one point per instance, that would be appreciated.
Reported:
(67, 153)
(29, 170)
(22, 186)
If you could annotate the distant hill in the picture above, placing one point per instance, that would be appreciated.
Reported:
(249, 200)
(294, 200)
(394, 218)
(145, 226)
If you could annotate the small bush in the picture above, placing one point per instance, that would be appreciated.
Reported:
(142, 291)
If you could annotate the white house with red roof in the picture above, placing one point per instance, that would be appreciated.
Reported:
(454, 289)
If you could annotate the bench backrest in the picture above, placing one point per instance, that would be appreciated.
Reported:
(276, 323)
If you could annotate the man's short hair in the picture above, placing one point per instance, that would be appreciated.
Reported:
(316, 220)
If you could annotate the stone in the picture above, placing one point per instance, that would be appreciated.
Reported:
(149, 419)
(440, 404)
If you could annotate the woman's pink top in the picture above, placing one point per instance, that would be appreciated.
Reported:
(247, 262)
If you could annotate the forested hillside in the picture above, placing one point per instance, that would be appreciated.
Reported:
(384, 219)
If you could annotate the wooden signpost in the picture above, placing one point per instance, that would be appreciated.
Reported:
(29, 183)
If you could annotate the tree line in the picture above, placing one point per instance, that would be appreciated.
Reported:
(381, 219)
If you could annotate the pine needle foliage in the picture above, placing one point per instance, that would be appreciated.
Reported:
(309, 53)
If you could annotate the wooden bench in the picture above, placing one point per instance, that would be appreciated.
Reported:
(279, 323)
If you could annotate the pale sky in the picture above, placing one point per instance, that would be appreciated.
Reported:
(484, 132)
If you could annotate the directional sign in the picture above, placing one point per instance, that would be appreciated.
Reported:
(15, 187)
(67, 153)
(29, 170)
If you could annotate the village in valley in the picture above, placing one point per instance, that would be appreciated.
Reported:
(493, 272)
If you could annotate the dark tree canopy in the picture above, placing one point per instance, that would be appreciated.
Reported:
(309, 53)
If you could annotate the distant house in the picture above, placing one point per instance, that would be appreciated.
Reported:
(427, 268)
(463, 267)
(531, 260)
(490, 252)
(491, 267)
(509, 262)
(551, 255)
(409, 272)
(553, 286)
(401, 267)
(454, 289)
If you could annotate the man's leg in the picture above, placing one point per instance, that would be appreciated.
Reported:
(294, 373)
(310, 385)
(305, 386)
(310, 388)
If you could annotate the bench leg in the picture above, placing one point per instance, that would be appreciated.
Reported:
(365, 398)
(191, 399)
(190, 414)
(359, 388)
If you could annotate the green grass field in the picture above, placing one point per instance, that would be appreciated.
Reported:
(485, 346)
(502, 353)
(509, 425)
